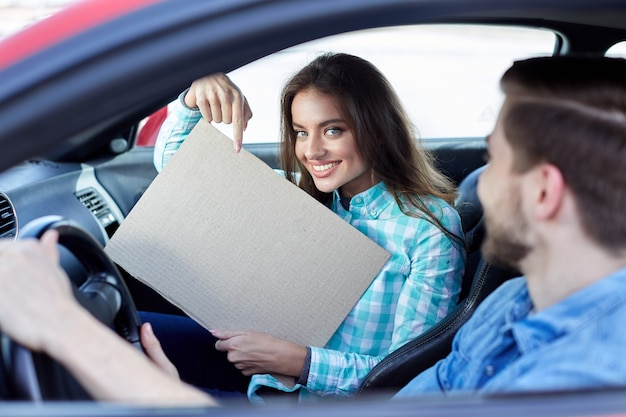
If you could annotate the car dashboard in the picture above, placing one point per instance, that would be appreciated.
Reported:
(95, 195)
(39, 188)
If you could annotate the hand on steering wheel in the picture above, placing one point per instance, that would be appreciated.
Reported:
(35, 376)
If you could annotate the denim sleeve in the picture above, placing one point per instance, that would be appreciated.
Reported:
(425, 383)
(476, 345)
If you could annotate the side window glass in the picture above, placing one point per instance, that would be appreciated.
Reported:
(148, 128)
(447, 76)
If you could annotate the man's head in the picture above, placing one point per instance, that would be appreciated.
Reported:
(563, 118)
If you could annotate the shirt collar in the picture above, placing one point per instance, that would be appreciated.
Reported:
(579, 309)
(374, 200)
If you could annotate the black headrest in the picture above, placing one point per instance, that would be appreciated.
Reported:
(471, 211)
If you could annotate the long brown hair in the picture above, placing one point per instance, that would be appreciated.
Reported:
(571, 112)
(384, 135)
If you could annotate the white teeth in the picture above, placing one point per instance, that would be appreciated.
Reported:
(324, 167)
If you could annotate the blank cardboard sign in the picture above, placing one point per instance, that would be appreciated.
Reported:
(236, 246)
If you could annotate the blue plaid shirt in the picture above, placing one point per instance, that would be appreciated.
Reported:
(415, 289)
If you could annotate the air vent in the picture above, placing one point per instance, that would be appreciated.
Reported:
(94, 202)
(7, 217)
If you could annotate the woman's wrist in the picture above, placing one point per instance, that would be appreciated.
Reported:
(304, 375)
(291, 360)
(187, 99)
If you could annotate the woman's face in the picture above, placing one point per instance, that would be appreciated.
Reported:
(326, 146)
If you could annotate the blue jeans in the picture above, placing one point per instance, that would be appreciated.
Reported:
(192, 350)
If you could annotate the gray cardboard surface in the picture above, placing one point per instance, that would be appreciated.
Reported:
(236, 246)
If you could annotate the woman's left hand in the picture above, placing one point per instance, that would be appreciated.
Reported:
(259, 353)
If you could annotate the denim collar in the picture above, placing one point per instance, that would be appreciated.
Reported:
(580, 309)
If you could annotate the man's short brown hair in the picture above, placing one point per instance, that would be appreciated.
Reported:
(571, 112)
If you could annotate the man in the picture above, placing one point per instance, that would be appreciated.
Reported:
(553, 193)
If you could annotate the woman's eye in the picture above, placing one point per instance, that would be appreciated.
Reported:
(333, 131)
(300, 133)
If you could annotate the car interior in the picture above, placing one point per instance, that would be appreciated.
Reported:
(95, 183)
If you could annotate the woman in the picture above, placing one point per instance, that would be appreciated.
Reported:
(347, 142)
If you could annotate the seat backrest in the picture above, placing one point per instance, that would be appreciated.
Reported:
(471, 213)
(479, 280)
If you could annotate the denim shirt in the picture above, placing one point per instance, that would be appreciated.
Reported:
(505, 347)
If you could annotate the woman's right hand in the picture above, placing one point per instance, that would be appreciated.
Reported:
(221, 101)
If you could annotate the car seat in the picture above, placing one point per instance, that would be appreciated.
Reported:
(479, 280)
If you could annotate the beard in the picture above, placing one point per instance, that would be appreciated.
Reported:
(504, 244)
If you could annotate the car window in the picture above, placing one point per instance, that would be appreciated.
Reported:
(446, 75)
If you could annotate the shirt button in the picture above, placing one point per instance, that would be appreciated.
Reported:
(489, 370)
(358, 200)
(373, 212)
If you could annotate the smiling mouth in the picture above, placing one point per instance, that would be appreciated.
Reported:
(325, 167)
(324, 170)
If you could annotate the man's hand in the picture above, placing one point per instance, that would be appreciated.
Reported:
(36, 299)
(39, 311)
(259, 353)
(221, 101)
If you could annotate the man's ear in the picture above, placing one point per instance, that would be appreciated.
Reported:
(550, 191)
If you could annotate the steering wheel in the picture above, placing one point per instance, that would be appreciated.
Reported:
(37, 377)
